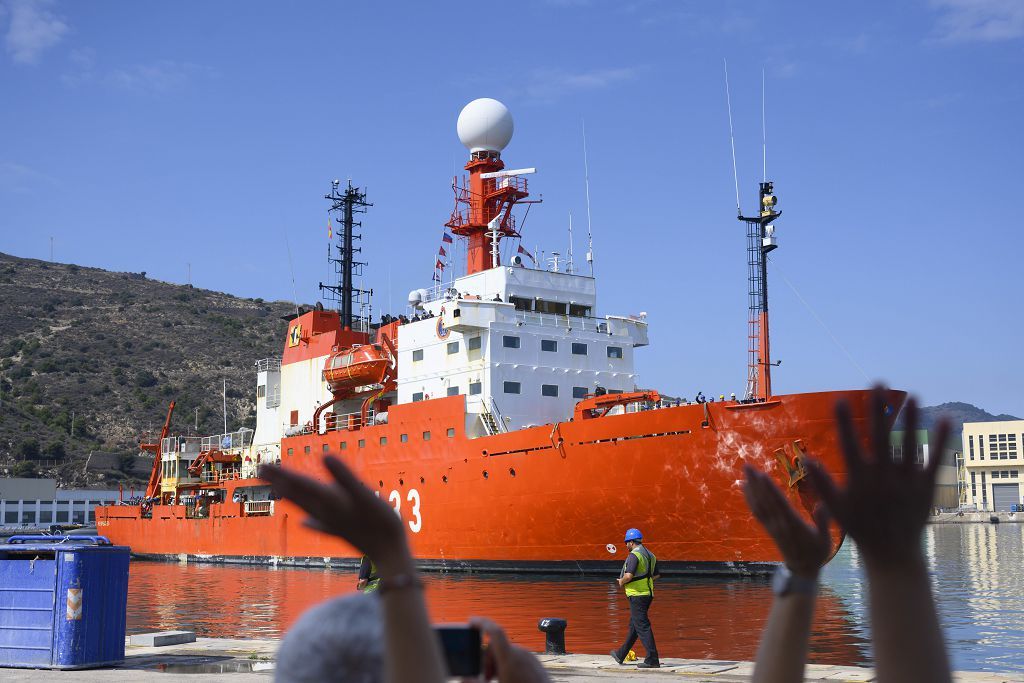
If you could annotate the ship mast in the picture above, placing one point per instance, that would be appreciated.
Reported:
(760, 241)
(483, 207)
(345, 205)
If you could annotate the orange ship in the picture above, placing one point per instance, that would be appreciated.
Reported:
(501, 418)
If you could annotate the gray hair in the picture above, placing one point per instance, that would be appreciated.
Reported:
(341, 639)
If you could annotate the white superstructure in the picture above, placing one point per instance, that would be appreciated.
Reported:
(521, 343)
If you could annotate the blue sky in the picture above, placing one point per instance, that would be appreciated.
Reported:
(146, 136)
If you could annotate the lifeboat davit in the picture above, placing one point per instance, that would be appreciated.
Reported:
(355, 367)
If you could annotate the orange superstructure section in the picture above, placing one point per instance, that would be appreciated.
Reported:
(552, 496)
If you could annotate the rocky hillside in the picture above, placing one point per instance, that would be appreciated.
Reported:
(89, 360)
(957, 413)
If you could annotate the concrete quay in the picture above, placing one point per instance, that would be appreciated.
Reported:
(976, 517)
(216, 659)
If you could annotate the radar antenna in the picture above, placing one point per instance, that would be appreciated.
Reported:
(346, 204)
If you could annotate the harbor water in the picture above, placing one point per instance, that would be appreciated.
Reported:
(977, 579)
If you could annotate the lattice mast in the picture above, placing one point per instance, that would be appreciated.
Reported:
(760, 241)
(345, 205)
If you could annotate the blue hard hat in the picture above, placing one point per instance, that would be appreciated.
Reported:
(634, 535)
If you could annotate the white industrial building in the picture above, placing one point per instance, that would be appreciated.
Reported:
(993, 460)
(34, 503)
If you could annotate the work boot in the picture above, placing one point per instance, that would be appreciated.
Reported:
(615, 656)
(649, 665)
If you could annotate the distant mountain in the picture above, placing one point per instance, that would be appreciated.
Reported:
(101, 354)
(957, 413)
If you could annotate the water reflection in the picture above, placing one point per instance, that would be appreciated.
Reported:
(977, 581)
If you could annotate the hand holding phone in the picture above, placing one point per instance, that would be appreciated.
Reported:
(462, 648)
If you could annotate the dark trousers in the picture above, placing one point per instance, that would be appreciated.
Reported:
(640, 626)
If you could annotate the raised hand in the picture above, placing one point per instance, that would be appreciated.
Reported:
(348, 509)
(804, 547)
(886, 503)
(507, 662)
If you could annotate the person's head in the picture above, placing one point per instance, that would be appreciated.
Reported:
(341, 639)
(633, 538)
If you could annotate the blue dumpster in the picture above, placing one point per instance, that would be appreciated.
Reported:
(62, 602)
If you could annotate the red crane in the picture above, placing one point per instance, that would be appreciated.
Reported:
(154, 477)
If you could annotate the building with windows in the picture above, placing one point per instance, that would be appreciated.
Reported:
(993, 463)
(34, 503)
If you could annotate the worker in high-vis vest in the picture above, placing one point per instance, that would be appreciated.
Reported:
(637, 578)
(369, 580)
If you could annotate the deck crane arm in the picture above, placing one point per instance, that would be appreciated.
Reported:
(154, 477)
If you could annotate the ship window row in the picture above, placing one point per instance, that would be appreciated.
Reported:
(383, 440)
(510, 341)
(550, 390)
(545, 306)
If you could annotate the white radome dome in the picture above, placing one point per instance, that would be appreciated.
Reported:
(485, 125)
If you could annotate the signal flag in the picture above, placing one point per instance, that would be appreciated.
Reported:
(523, 251)
(447, 239)
(442, 252)
(330, 230)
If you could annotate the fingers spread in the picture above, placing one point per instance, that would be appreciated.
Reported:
(910, 419)
(830, 494)
(848, 440)
(880, 449)
(821, 520)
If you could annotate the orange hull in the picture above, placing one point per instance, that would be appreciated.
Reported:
(550, 498)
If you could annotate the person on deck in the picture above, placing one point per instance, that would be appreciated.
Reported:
(368, 581)
(638, 574)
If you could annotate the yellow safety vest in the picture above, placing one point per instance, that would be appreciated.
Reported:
(373, 582)
(643, 578)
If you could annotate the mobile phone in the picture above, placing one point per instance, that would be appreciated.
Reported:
(462, 650)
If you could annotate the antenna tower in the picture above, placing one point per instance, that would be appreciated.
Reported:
(760, 241)
(345, 204)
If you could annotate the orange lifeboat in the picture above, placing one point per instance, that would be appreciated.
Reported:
(355, 367)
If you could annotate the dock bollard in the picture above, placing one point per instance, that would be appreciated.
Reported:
(554, 635)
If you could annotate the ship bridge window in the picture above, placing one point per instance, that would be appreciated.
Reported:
(549, 390)
(418, 396)
(579, 310)
(551, 307)
(579, 349)
(510, 341)
(548, 345)
(520, 303)
(473, 344)
(475, 388)
(417, 354)
(453, 391)
(615, 352)
(512, 387)
(261, 391)
(579, 392)
(453, 347)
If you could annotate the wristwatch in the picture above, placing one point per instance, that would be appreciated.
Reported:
(785, 582)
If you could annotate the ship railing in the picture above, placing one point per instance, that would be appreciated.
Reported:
(274, 397)
(268, 364)
(585, 323)
(259, 508)
(182, 444)
(341, 422)
(217, 476)
(219, 442)
(498, 419)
